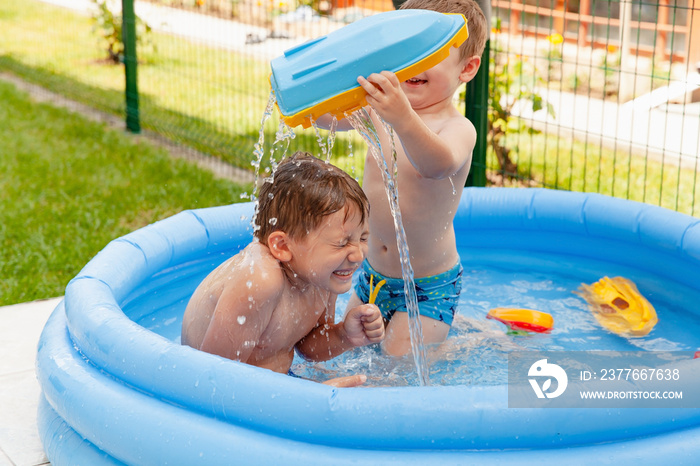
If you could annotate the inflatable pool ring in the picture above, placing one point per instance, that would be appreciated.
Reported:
(117, 387)
(522, 321)
(618, 306)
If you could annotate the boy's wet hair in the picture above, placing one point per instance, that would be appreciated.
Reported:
(303, 191)
(476, 21)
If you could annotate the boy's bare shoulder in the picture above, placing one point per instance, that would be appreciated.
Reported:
(458, 129)
(253, 272)
(263, 269)
(458, 120)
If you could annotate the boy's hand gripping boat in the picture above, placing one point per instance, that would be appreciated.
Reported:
(320, 76)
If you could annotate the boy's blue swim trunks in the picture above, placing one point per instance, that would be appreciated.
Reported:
(437, 295)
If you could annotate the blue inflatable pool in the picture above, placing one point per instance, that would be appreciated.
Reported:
(117, 388)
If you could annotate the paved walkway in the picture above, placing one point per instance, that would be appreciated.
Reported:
(213, 31)
(20, 328)
(647, 124)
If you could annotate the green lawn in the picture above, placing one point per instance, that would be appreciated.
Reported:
(68, 186)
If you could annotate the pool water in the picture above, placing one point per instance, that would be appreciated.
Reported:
(476, 349)
(475, 352)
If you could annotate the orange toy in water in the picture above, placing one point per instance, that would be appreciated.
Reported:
(522, 320)
(619, 307)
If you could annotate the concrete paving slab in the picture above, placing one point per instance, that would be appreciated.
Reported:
(4, 460)
(20, 328)
(19, 437)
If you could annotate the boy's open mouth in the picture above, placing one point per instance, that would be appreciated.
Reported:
(343, 273)
(416, 81)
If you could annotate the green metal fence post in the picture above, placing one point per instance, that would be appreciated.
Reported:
(476, 108)
(130, 64)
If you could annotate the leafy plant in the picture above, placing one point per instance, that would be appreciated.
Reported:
(610, 65)
(512, 81)
(554, 55)
(108, 26)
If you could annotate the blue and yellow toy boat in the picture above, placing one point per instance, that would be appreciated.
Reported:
(320, 76)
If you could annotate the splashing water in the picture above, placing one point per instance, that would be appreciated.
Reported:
(351, 157)
(258, 153)
(362, 123)
(327, 145)
(283, 136)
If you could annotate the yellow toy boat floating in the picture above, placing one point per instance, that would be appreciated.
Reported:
(320, 76)
(522, 320)
(619, 307)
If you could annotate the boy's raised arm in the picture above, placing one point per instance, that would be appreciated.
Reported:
(436, 147)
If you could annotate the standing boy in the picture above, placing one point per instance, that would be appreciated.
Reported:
(433, 158)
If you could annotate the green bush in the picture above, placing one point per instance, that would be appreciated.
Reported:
(108, 26)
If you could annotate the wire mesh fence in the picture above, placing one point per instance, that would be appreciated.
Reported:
(598, 96)
(583, 95)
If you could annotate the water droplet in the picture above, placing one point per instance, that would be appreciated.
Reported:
(249, 284)
(273, 221)
(241, 320)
